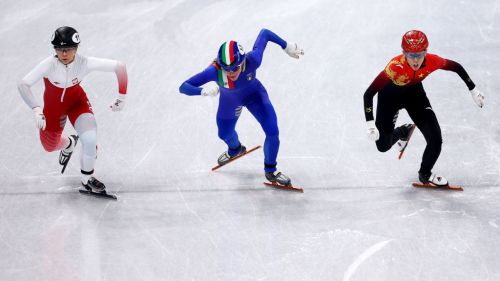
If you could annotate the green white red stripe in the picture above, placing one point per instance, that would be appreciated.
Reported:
(227, 53)
(224, 80)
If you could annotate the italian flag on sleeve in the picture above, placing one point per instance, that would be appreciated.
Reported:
(224, 81)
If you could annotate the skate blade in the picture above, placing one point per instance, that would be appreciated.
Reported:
(428, 185)
(240, 155)
(284, 187)
(97, 194)
(402, 150)
(65, 163)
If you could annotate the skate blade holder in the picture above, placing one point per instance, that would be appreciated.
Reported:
(284, 187)
(98, 194)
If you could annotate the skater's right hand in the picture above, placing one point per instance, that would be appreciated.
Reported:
(39, 118)
(210, 90)
(372, 130)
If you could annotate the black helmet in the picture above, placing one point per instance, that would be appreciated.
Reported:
(65, 36)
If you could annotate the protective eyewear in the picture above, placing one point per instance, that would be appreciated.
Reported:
(66, 49)
(415, 55)
(234, 69)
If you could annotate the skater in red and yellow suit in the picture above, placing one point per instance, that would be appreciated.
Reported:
(400, 86)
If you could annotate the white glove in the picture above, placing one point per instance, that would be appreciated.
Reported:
(119, 103)
(478, 97)
(372, 130)
(210, 90)
(293, 50)
(39, 118)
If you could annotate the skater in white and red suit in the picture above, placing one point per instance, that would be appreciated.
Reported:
(64, 98)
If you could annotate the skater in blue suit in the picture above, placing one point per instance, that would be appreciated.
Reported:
(235, 74)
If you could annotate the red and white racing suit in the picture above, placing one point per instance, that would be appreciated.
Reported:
(65, 98)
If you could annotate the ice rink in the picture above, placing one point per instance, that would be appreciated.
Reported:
(359, 219)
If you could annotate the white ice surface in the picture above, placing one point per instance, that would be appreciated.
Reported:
(358, 219)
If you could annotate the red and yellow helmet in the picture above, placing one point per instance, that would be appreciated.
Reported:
(414, 41)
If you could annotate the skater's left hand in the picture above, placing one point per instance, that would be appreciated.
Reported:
(478, 97)
(293, 50)
(118, 104)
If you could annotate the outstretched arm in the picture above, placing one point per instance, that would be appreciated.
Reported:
(119, 68)
(260, 44)
(107, 65)
(454, 66)
(458, 69)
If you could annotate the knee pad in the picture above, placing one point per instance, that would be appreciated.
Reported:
(89, 140)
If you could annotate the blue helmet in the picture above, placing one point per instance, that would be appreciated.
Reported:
(231, 55)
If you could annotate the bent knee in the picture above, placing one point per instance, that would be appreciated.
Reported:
(49, 147)
(51, 141)
(382, 147)
(272, 132)
(224, 135)
(434, 139)
(436, 142)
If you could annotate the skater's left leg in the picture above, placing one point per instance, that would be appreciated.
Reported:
(83, 120)
(421, 112)
(227, 133)
(86, 127)
(263, 111)
(428, 124)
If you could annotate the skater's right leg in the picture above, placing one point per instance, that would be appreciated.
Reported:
(227, 133)
(388, 106)
(228, 114)
(52, 138)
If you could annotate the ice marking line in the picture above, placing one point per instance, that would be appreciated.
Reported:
(365, 255)
(493, 224)
(145, 156)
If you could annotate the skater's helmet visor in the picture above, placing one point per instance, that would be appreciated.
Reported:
(415, 55)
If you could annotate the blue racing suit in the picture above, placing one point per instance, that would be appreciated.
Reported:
(246, 91)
